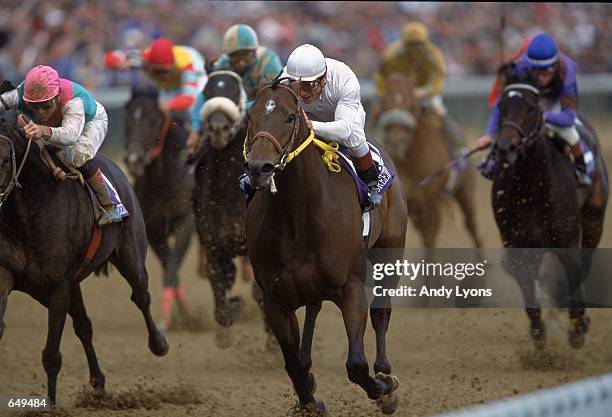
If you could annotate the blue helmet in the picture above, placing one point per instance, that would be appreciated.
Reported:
(542, 52)
(240, 37)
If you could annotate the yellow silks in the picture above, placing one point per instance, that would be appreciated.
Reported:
(329, 152)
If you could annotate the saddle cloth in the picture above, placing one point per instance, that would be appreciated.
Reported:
(385, 176)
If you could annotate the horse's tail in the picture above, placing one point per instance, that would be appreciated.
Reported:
(102, 269)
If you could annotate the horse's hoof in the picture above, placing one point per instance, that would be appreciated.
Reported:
(224, 337)
(272, 345)
(158, 346)
(316, 408)
(578, 331)
(391, 381)
(388, 403)
(538, 334)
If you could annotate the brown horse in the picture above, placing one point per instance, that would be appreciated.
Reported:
(305, 244)
(415, 141)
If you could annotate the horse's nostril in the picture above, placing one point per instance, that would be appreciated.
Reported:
(267, 168)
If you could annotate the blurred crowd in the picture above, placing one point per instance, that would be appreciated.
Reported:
(72, 35)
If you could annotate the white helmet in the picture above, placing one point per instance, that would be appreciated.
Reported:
(305, 63)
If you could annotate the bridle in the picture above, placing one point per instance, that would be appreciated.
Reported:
(284, 152)
(14, 181)
(151, 154)
(527, 138)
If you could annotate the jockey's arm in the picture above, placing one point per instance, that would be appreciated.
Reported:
(196, 119)
(73, 122)
(189, 92)
(347, 111)
(436, 73)
(565, 117)
(9, 100)
(119, 59)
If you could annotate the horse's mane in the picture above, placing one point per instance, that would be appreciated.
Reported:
(512, 76)
(145, 90)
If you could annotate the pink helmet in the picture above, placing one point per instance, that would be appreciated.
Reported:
(42, 83)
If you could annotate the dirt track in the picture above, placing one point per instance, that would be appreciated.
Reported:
(445, 359)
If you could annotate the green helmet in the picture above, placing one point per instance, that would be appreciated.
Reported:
(239, 37)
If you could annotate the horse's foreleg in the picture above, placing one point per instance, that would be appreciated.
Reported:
(285, 326)
(355, 315)
(59, 300)
(312, 311)
(222, 275)
(182, 240)
(271, 343)
(83, 330)
(6, 285)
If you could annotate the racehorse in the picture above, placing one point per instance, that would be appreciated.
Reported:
(45, 228)
(537, 204)
(305, 244)
(414, 139)
(218, 202)
(154, 142)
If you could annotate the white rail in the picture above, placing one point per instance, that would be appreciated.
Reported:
(590, 397)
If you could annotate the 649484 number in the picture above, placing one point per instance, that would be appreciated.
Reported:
(24, 403)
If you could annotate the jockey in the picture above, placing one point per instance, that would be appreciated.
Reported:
(555, 73)
(178, 71)
(330, 96)
(415, 56)
(257, 65)
(65, 114)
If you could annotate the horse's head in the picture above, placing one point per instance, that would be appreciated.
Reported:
(143, 127)
(223, 113)
(276, 126)
(400, 110)
(520, 118)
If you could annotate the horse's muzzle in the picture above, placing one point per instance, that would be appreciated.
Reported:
(259, 172)
(508, 153)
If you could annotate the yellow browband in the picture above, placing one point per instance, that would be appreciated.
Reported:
(329, 152)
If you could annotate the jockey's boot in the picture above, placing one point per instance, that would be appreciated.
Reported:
(580, 167)
(112, 213)
(366, 169)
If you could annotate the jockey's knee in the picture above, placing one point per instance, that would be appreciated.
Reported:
(568, 134)
(89, 168)
(359, 150)
(437, 105)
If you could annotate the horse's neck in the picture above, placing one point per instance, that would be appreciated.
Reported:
(301, 183)
(532, 177)
(168, 164)
(427, 147)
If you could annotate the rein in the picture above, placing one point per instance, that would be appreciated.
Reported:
(154, 153)
(15, 171)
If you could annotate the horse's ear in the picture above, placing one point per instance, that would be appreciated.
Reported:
(6, 86)
(507, 70)
(145, 90)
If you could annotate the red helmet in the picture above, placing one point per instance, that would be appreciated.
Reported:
(42, 83)
(159, 53)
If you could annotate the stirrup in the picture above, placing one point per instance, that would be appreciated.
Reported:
(245, 184)
(582, 177)
(110, 215)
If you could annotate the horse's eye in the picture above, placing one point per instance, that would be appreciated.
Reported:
(291, 118)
